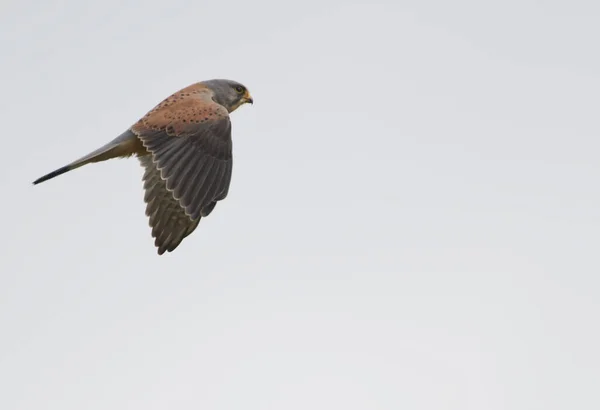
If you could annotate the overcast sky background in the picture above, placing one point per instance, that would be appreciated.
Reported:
(413, 220)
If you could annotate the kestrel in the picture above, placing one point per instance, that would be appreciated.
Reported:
(185, 147)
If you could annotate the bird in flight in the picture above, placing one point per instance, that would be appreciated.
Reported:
(185, 147)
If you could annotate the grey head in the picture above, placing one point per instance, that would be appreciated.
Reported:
(230, 94)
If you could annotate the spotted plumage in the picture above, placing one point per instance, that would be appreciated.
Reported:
(185, 147)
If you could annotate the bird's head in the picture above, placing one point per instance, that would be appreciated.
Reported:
(230, 94)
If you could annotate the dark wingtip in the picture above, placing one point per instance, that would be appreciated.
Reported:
(51, 175)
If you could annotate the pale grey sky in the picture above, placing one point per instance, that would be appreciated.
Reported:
(413, 220)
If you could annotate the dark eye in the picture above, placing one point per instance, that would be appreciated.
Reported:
(239, 89)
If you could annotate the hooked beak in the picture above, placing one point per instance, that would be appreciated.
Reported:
(248, 99)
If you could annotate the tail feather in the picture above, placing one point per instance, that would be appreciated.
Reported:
(52, 174)
(124, 145)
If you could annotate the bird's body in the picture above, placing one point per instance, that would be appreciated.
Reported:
(185, 147)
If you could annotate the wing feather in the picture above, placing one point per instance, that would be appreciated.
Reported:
(169, 222)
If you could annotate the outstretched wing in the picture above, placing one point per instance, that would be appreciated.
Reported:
(188, 137)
